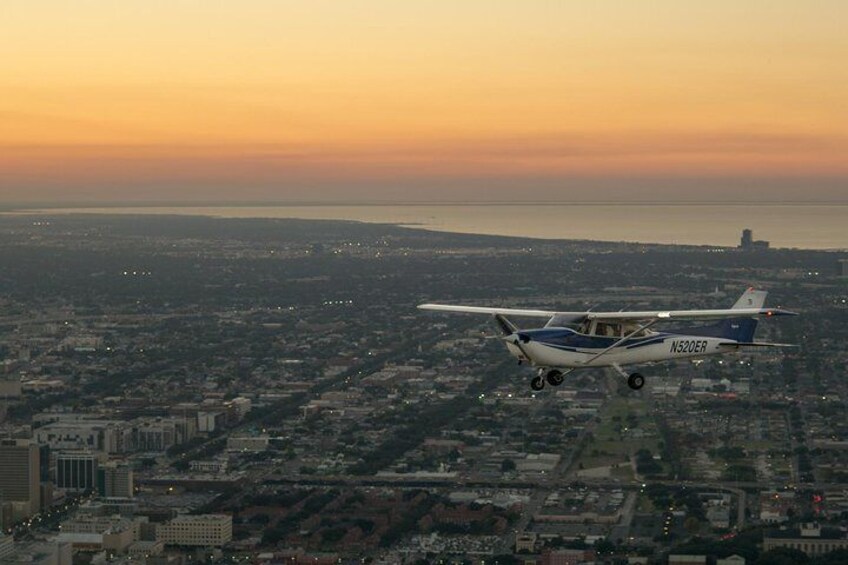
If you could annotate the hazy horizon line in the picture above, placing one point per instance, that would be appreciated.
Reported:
(22, 206)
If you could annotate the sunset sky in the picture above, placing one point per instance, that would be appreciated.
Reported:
(311, 100)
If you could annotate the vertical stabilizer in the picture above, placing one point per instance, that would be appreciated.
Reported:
(742, 329)
(738, 329)
(751, 299)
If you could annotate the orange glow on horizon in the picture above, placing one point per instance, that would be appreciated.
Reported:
(100, 98)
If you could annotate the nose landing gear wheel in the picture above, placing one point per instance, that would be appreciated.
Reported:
(538, 383)
(554, 377)
(636, 381)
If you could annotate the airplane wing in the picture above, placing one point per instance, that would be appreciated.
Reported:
(502, 311)
(617, 316)
(690, 314)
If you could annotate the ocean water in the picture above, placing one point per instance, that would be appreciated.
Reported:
(806, 226)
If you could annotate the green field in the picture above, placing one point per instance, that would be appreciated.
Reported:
(625, 427)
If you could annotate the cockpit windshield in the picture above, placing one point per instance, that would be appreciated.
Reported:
(630, 327)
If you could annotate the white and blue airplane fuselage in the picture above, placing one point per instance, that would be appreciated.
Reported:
(565, 348)
(574, 340)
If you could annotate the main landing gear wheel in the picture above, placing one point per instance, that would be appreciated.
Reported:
(538, 383)
(554, 377)
(636, 381)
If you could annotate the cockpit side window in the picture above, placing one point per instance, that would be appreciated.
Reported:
(610, 329)
(606, 329)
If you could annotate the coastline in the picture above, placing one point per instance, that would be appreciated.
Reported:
(810, 226)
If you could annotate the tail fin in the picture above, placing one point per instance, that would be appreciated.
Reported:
(737, 329)
(751, 299)
(742, 329)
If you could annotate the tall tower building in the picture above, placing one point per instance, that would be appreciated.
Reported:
(747, 239)
(20, 492)
(115, 480)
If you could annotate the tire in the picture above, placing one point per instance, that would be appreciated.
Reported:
(636, 381)
(537, 384)
(554, 377)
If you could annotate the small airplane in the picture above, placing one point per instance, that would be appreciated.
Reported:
(574, 340)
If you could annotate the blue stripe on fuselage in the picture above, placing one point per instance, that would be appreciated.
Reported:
(649, 341)
(569, 340)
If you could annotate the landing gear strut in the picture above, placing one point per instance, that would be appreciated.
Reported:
(553, 377)
(635, 381)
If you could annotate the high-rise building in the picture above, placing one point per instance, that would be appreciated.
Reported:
(747, 243)
(747, 239)
(76, 471)
(19, 473)
(45, 473)
(115, 480)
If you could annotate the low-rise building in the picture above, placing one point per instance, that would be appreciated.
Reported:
(687, 559)
(145, 549)
(204, 530)
(248, 443)
(810, 538)
(97, 533)
(526, 542)
(209, 466)
(35, 553)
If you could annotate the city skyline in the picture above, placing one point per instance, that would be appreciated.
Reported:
(265, 390)
(320, 101)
